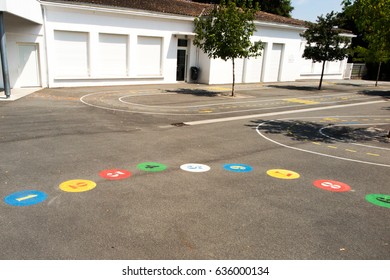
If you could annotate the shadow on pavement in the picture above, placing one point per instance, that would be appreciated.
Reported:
(196, 92)
(381, 93)
(292, 87)
(309, 131)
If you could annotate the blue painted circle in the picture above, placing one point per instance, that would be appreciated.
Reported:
(238, 167)
(25, 198)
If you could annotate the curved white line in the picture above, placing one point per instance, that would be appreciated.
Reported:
(315, 153)
(356, 144)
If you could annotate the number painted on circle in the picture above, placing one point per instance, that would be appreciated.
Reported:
(115, 174)
(195, 167)
(382, 200)
(151, 166)
(25, 198)
(283, 174)
(238, 167)
(332, 186)
(77, 185)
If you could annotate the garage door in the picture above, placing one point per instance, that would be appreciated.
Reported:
(71, 53)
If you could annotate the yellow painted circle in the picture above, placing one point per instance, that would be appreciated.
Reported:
(77, 185)
(283, 174)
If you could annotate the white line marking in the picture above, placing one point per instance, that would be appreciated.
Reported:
(210, 121)
(356, 144)
(315, 153)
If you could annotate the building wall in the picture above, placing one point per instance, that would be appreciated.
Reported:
(80, 45)
(23, 33)
(143, 47)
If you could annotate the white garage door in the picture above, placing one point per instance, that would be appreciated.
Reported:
(149, 56)
(71, 53)
(112, 55)
(275, 61)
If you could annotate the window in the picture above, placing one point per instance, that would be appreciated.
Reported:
(182, 43)
(71, 54)
(149, 51)
(112, 55)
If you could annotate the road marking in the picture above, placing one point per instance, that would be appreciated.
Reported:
(301, 101)
(229, 119)
(352, 151)
(374, 155)
(332, 147)
(312, 152)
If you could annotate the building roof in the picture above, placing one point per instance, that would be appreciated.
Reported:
(177, 7)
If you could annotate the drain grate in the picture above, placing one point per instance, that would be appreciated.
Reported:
(180, 124)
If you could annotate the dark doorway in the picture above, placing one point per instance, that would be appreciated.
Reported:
(181, 65)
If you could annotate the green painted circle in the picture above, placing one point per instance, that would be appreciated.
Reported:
(151, 166)
(382, 200)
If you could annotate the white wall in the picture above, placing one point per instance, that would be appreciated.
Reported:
(27, 9)
(135, 28)
(255, 70)
(20, 31)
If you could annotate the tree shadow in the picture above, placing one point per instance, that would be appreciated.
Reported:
(196, 92)
(296, 130)
(385, 94)
(325, 133)
(293, 87)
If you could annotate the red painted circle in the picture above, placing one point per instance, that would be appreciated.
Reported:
(332, 186)
(115, 174)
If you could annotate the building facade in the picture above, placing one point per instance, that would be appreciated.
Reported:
(57, 43)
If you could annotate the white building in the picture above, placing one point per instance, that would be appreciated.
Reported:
(58, 43)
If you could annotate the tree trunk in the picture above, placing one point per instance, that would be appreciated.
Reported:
(322, 75)
(378, 74)
(234, 78)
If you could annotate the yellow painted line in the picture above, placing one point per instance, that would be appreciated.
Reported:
(27, 197)
(218, 88)
(352, 151)
(374, 155)
(316, 143)
(332, 147)
(330, 119)
(205, 111)
(301, 101)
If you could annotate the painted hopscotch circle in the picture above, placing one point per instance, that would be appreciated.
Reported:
(77, 185)
(25, 198)
(382, 200)
(332, 186)
(238, 167)
(283, 174)
(115, 174)
(195, 167)
(151, 166)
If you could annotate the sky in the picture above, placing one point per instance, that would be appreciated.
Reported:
(310, 9)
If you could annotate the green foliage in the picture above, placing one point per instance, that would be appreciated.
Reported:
(372, 18)
(324, 42)
(226, 32)
(277, 7)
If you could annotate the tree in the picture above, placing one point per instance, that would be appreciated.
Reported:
(226, 33)
(324, 42)
(373, 21)
(277, 7)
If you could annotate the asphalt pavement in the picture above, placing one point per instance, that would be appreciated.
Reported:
(184, 171)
